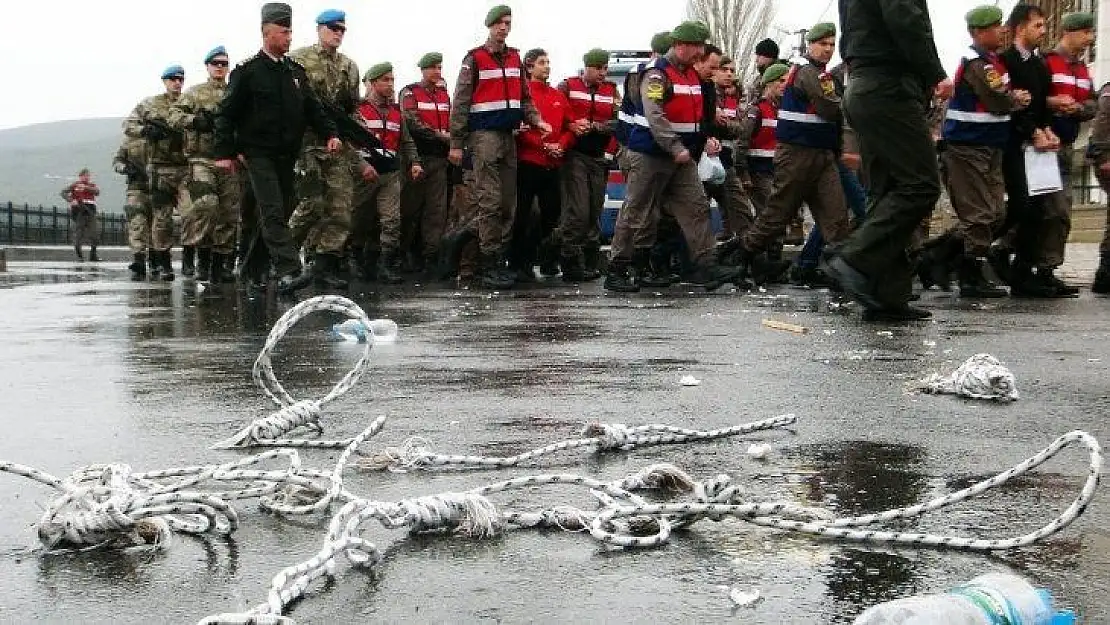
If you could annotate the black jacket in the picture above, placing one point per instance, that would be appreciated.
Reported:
(266, 109)
(893, 36)
(1032, 75)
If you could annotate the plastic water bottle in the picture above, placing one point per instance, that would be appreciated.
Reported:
(985, 600)
(355, 331)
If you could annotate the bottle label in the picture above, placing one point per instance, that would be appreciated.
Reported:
(994, 605)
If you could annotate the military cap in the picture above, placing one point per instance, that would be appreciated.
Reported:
(277, 13)
(84, 171)
(430, 59)
(595, 58)
(821, 31)
(661, 42)
(767, 48)
(331, 16)
(984, 16)
(690, 32)
(774, 72)
(213, 53)
(173, 71)
(377, 71)
(1077, 21)
(496, 13)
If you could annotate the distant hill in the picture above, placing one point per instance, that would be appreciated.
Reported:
(37, 161)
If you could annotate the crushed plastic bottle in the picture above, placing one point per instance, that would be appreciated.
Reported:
(985, 600)
(355, 331)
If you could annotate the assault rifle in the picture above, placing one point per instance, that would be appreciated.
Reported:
(369, 147)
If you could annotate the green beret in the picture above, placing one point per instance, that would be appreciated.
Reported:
(595, 58)
(690, 32)
(821, 31)
(774, 72)
(1077, 21)
(984, 16)
(496, 13)
(661, 42)
(377, 71)
(430, 59)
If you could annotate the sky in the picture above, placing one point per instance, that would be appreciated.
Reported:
(99, 59)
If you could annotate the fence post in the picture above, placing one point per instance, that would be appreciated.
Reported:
(26, 221)
(54, 225)
(11, 223)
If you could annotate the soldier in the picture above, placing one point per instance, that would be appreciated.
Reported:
(664, 135)
(376, 236)
(130, 161)
(213, 192)
(426, 107)
(81, 196)
(594, 103)
(762, 122)
(1072, 100)
(167, 166)
(261, 122)
(491, 100)
(1098, 151)
(731, 124)
(326, 187)
(808, 144)
(660, 44)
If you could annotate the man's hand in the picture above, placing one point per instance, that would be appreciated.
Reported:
(580, 127)
(1053, 140)
(712, 146)
(443, 136)
(945, 89)
(554, 149)
(682, 157)
(369, 174)
(334, 145)
(850, 160)
(227, 164)
(417, 171)
(120, 168)
(544, 128)
(1061, 103)
(1041, 141)
(455, 156)
(1021, 97)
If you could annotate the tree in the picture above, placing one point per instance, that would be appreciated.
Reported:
(735, 26)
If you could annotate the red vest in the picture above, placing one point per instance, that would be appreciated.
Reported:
(598, 106)
(729, 105)
(498, 89)
(432, 107)
(763, 141)
(83, 193)
(388, 130)
(611, 149)
(685, 107)
(1068, 79)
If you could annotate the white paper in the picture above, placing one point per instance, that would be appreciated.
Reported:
(1042, 172)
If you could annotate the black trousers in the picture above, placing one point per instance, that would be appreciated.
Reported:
(900, 164)
(268, 203)
(540, 185)
(1023, 213)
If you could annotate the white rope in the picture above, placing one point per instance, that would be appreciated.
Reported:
(292, 414)
(980, 377)
(626, 520)
(413, 454)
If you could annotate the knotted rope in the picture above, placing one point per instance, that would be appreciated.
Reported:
(413, 454)
(292, 414)
(980, 377)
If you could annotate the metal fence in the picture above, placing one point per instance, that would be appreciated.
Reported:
(40, 225)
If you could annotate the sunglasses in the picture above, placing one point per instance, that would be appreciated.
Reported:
(218, 63)
(336, 27)
(180, 78)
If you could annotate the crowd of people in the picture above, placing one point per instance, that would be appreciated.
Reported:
(286, 169)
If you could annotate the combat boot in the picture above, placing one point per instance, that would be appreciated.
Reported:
(188, 261)
(217, 266)
(290, 283)
(620, 278)
(204, 264)
(651, 270)
(367, 265)
(167, 265)
(974, 281)
(1063, 289)
(325, 273)
(154, 265)
(138, 267)
(1101, 284)
(591, 263)
(452, 250)
(548, 258)
(999, 259)
(1026, 284)
(92, 254)
(711, 276)
(389, 268)
(492, 272)
(77, 250)
(572, 268)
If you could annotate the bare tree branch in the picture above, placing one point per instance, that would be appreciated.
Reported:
(735, 26)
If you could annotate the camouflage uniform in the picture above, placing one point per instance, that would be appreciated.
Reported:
(131, 161)
(167, 169)
(325, 187)
(213, 192)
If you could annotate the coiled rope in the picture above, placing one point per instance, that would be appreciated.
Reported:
(293, 414)
(414, 455)
(980, 377)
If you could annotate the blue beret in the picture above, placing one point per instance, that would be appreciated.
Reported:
(331, 15)
(173, 71)
(213, 53)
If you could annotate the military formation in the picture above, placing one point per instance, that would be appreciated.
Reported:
(297, 169)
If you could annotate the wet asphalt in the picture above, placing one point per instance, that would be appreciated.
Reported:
(98, 369)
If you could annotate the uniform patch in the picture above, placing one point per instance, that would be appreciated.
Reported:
(655, 90)
(993, 78)
(828, 87)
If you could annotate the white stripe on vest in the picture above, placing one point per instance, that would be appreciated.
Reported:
(432, 106)
(803, 118)
(976, 117)
(761, 153)
(499, 105)
(487, 74)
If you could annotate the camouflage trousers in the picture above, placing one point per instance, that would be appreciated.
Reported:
(168, 193)
(138, 212)
(377, 217)
(213, 214)
(325, 189)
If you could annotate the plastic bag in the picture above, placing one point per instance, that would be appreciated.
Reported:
(711, 170)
